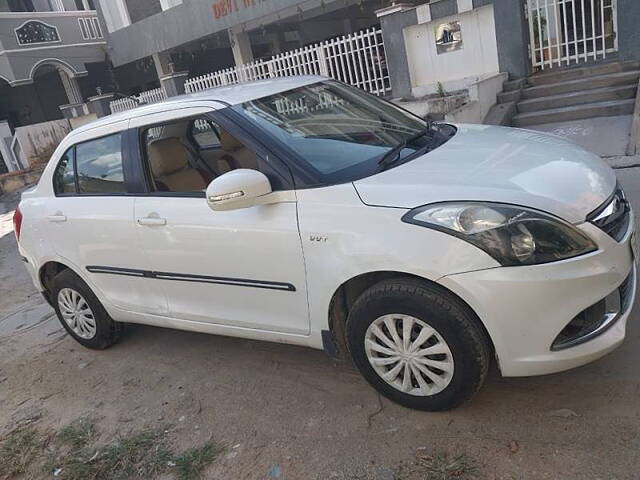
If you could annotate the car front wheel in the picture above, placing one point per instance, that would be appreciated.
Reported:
(418, 344)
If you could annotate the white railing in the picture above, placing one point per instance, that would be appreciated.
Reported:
(357, 59)
(287, 107)
(565, 32)
(150, 96)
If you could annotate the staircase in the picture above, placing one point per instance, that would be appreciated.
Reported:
(597, 90)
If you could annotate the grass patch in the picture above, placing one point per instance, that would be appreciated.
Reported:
(78, 433)
(440, 466)
(191, 464)
(18, 451)
(144, 454)
(76, 453)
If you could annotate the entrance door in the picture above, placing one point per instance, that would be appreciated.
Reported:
(567, 32)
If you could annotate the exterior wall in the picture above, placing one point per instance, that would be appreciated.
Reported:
(444, 8)
(69, 5)
(629, 29)
(483, 95)
(196, 19)
(37, 142)
(113, 14)
(140, 9)
(510, 32)
(478, 55)
(45, 5)
(41, 5)
(7, 162)
(512, 35)
(392, 28)
(12, 182)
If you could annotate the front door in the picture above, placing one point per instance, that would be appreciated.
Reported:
(241, 268)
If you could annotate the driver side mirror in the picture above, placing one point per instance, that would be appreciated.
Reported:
(240, 188)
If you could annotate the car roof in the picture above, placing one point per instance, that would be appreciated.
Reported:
(228, 94)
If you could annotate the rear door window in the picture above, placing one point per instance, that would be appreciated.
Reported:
(99, 166)
(64, 178)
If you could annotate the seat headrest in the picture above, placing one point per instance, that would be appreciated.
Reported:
(228, 142)
(167, 156)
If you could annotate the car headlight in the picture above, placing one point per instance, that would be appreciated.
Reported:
(510, 234)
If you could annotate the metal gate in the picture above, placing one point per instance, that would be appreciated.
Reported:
(566, 32)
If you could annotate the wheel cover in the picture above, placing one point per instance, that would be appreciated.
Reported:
(409, 354)
(76, 313)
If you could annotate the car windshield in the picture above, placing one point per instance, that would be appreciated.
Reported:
(341, 133)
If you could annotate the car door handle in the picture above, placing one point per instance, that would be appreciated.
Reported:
(57, 218)
(152, 221)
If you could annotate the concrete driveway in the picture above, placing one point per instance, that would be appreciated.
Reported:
(289, 412)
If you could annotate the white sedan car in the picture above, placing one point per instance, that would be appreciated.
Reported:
(304, 211)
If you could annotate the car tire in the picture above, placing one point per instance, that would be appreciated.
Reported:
(456, 355)
(81, 313)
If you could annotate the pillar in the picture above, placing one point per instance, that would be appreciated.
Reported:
(173, 83)
(240, 46)
(512, 35)
(393, 20)
(71, 87)
(100, 104)
(162, 62)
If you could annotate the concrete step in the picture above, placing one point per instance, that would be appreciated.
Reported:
(590, 83)
(501, 114)
(510, 96)
(574, 73)
(578, 98)
(511, 85)
(576, 112)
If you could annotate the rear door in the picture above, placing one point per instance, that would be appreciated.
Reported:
(90, 220)
(241, 268)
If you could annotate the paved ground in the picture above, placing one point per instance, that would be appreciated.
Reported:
(606, 136)
(291, 413)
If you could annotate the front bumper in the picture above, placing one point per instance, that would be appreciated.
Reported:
(524, 309)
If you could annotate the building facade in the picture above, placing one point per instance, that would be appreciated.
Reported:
(52, 55)
(426, 43)
(56, 54)
(518, 37)
(203, 36)
(52, 52)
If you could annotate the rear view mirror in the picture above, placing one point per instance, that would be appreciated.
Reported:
(240, 188)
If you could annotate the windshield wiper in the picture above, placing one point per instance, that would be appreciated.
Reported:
(393, 155)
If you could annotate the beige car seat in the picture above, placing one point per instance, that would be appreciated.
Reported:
(235, 155)
(169, 161)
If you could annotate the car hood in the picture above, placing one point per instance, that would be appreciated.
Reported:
(497, 164)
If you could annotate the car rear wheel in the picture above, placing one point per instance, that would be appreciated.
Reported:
(418, 344)
(81, 313)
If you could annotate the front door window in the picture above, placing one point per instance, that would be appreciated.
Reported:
(185, 156)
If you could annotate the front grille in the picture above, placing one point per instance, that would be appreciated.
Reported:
(596, 319)
(613, 216)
